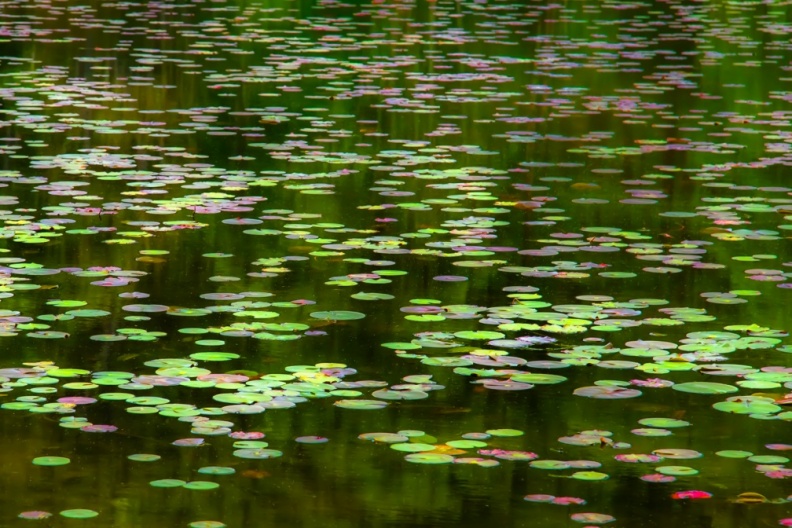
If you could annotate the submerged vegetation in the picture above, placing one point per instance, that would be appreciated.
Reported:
(385, 264)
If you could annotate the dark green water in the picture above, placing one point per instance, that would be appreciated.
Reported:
(526, 220)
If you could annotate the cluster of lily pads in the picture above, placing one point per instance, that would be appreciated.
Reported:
(404, 160)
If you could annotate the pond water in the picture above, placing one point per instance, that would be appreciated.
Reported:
(395, 263)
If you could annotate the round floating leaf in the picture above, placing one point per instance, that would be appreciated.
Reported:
(409, 447)
(538, 379)
(214, 356)
(592, 518)
(589, 475)
(79, 514)
(705, 387)
(768, 459)
(733, 453)
(217, 470)
(338, 315)
(747, 405)
(167, 483)
(651, 431)
(429, 458)
(446, 362)
(257, 454)
(606, 392)
(504, 432)
(479, 335)
(361, 405)
(676, 471)
(668, 423)
(35, 515)
(679, 454)
(51, 461)
(311, 440)
(366, 296)
(550, 464)
(691, 495)
(201, 485)
(144, 457)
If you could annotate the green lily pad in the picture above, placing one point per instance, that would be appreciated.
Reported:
(676, 471)
(589, 475)
(429, 458)
(79, 514)
(338, 315)
(257, 454)
(667, 423)
(201, 485)
(705, 387)
(167, 483)
(411, 447)
(747, 405)
(733, 453)
(51, 461)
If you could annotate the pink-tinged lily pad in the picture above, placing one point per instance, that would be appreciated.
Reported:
(311, 440)
(583, 464)
(99, 428)
(504, 385)
(77, 400)
(539, 497)
(188, 442)
(504, 454)
(691, 495)
(145, 308)
(35, 515)
(477, 461)
(637, 457)
(450, 278)
(606, 392)
(592, 518)
(568, 501)
(583, 439)
(243, 435)
(658, 477)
